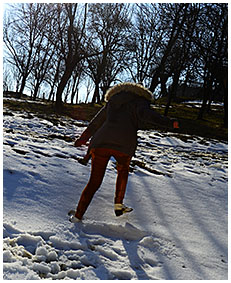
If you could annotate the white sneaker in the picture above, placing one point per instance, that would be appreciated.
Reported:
(120, 209)
(74, 219)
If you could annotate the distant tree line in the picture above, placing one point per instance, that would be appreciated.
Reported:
(56, 48)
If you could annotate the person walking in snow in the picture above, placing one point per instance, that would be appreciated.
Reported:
(114, 133)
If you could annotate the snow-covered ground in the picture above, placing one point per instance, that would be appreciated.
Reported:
(177, 187)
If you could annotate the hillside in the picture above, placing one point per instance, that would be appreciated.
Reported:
(178, 188)
(210, 127)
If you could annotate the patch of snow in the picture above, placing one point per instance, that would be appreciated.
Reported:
(177, 188)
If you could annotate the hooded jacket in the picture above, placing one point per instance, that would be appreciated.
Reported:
(115, 126)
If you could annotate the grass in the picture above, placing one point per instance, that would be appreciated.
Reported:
(210, 127)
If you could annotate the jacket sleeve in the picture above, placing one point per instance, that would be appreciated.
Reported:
(97, 121)
(93, 126)
(148, 115)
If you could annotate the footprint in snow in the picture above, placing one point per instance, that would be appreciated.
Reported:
(92, 251)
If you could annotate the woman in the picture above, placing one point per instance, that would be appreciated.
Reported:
(114, 133)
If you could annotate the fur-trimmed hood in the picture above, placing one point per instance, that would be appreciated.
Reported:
(133, 88)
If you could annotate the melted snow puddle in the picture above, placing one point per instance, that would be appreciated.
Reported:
(89, 250)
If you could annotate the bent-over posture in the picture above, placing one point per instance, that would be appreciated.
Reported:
(114, 133)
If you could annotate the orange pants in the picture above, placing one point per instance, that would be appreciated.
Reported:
(100, 158)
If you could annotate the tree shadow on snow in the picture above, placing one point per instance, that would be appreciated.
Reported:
(158, 209)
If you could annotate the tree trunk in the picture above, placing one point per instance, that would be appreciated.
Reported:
(163, 81)
(22, 86)
(35, 94)
(155, 79)
(207, 88)
(75, 87)
(176, 29)
(96, 97)
(225, 87)
(77, 96)
(66, 76)
(67, 91)
(204, 103)
(54, 81)
(172, 92)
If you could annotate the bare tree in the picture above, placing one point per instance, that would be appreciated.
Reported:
(71, 36)
(60, 45)
(144, 42)
(7, 80)
(212, 45)
(172, 16)
(77, 77)
(42, 64)
(52, 77)
(108, 29)
(179, 59)
(22, 32)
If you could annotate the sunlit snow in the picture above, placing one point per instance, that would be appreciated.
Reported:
(177, 188)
